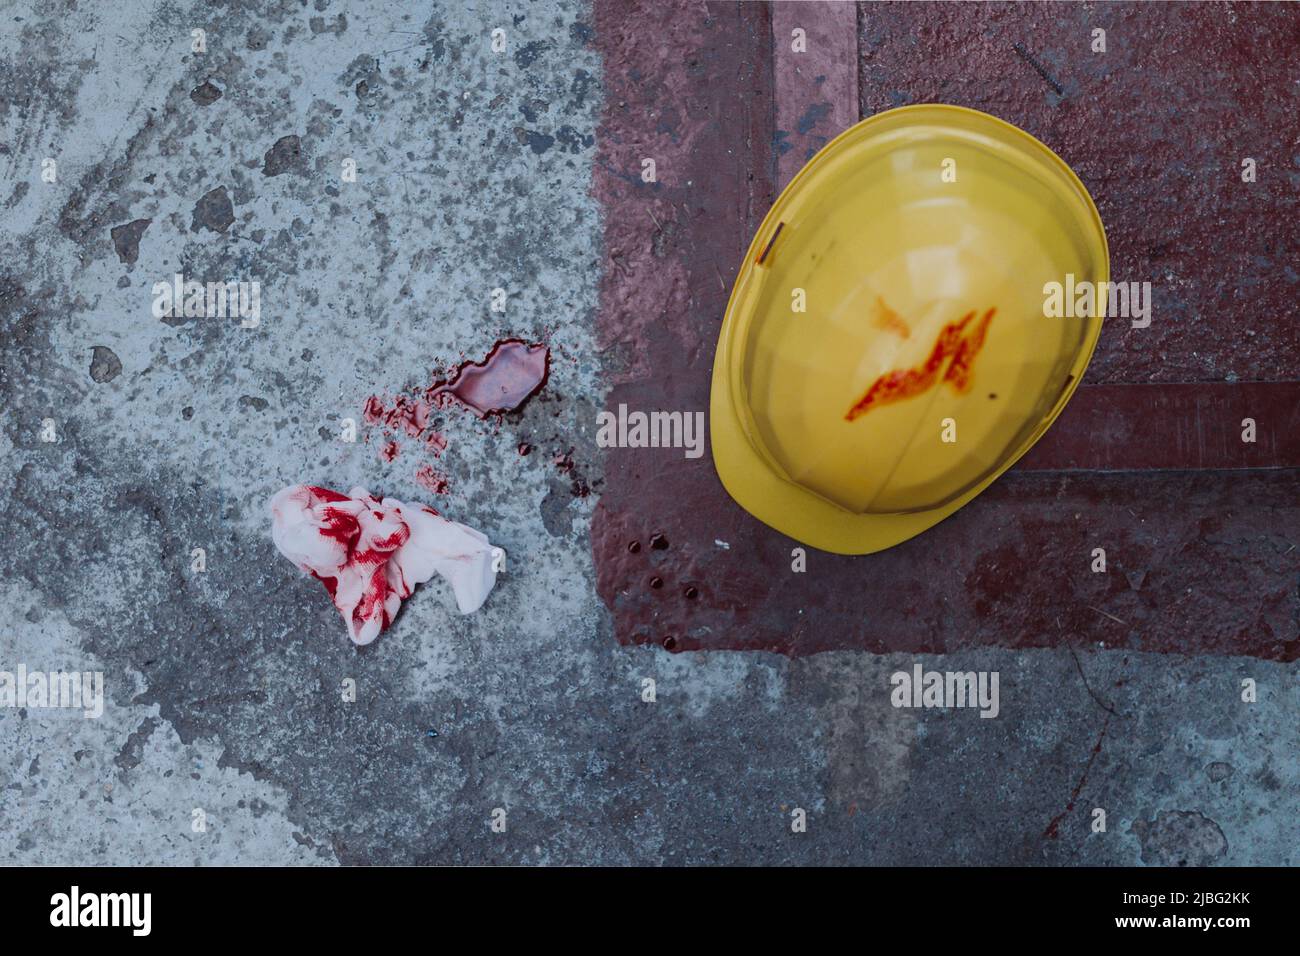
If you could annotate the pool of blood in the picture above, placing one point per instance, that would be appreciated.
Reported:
(512, 373)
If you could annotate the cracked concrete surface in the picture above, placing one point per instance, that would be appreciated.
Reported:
(224, 686)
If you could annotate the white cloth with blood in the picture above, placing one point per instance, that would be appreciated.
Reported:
(370, 554)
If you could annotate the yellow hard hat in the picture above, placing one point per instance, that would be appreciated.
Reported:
(886, 352)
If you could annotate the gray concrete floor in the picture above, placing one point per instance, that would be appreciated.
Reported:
(473, 173)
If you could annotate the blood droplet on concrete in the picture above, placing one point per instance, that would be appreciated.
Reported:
(433, 480)
(436, 442)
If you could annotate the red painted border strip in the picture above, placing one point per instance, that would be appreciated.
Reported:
(1173, 427)
(816, 89)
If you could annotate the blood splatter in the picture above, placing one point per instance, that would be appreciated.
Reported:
(432, 479)
(889, 320)
(374, 410)
(406, 414)
(512, 373)
(564, 463)
(436, 442)
(960, 370)
(954, 343)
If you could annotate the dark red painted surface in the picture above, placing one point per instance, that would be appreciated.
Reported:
(1197, 562)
